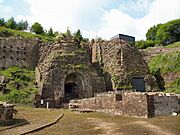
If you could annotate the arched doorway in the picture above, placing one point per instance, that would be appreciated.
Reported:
(73, 87)
(70, 91)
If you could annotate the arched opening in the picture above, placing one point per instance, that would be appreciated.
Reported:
(71, 91)
(73, 87)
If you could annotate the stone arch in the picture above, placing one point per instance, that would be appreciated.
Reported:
(73, 86)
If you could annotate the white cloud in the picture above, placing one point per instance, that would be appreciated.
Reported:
(1, 1)
(95, 20)
(136, 8)
(118, 22)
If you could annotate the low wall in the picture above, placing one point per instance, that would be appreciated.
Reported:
(164, 104)
(6, 112)
(135, 104)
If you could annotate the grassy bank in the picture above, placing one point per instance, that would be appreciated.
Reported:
(19, 86)
(10, 32)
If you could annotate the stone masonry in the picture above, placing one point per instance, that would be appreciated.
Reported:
(67, 70)
(6, 112)
(120, 63)
(144, 105)
(16, 51)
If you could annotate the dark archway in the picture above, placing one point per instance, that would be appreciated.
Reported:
(71, 91)
(73, 87)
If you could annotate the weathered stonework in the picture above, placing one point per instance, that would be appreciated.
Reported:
(6, 112)
(120, 62)
(67, 65)
(16, 51)
(68, 70)
(135, 104)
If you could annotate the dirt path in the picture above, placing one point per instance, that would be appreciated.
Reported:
(153, 128)
(106, 127)
(112, 128)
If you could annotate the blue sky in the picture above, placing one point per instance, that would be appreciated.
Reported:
(102, 18)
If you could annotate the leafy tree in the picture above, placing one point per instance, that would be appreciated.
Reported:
(50, 32)
(68, 33)
(37, 28)
(56, 33)
(22, 25)
(2, 22)
(78, 36)
(169, 32)
(151, 33)
(11, 23)
(144, 44)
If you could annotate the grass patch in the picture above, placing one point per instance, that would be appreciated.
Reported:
(21, 85)
(167, 62)
(74, 123)
(174, 45)
(10, 32)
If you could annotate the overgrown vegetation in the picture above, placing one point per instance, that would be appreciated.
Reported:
(20, 86)
(174, 45)
(13, 28)
(166, 63)
(6, 32)
(161, 34)
(145, 44)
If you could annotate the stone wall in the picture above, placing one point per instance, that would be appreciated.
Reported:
(103, 102)
(66, 62)
(17, 51)
(119, 61)
(164, 104)
(6, 112)
(135, 104)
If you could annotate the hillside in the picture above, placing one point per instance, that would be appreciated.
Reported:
(164, 63)
(17, 85)
(6, 32)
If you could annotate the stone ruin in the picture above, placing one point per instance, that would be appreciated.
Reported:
(137, 104)
(67, 70)
(6, 112)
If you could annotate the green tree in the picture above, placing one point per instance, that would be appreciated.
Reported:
(50, 32)
(11, 23)
(37, 28)
(144, 44)
(68, 32)
(78, 36)
(56, 33)
(151, 33)
(169, 32)
(2, 22)
(22, 25)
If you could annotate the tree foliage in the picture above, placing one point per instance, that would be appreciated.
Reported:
(22, 25)
(37, 28)
(78, 36)
(144, 44)
(11, 23)
(151, 33)
(2, 22)
(169, 32)
(50, 32)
